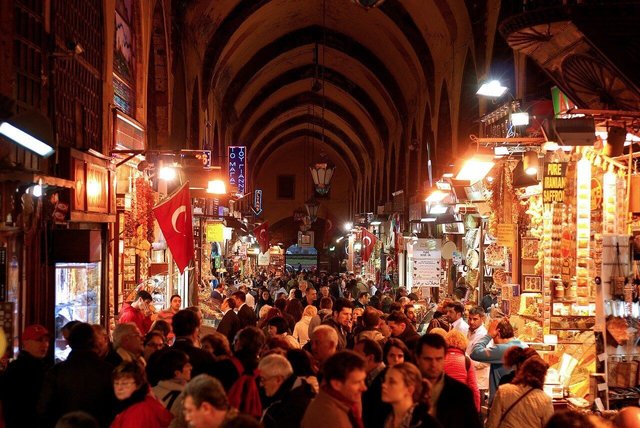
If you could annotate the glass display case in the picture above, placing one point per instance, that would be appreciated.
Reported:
(77, 299)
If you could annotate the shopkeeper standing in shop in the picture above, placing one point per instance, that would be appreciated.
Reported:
(138, 311)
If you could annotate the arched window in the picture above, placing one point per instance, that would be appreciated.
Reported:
(124, 58)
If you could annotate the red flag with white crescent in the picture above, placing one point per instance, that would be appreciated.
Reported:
(368, 243)
(262, 235)
(174, 218)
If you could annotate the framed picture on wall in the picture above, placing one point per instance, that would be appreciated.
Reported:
(532, 283)
(453, 228)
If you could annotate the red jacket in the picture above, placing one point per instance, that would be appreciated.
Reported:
(456, 366)
(149, 413)
(134, 315)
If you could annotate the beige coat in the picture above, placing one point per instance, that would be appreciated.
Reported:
(325, 411)
(533, 411)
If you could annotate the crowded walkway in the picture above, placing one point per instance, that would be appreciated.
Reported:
(294, 356)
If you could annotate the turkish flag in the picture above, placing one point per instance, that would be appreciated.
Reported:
(262, 235)
(368, 243)
(174, 218)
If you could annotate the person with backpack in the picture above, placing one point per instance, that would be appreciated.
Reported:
(238, 374)
(174, 371)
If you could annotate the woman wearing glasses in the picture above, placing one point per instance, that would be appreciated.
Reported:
(136, 406)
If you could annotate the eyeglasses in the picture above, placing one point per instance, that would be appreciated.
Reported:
(264, 379)
(123, 383)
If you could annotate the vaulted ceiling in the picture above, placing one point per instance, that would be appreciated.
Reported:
(379, 73)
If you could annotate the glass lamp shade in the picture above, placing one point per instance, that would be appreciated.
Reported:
(322, 173)
(312, 209)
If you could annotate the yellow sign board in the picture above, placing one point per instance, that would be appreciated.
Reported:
(506, 235)
(214, 232)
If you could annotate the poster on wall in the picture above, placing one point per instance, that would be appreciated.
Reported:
(427, 268)
(553, 183)
(238, 168)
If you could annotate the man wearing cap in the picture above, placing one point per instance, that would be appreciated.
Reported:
(21, 384)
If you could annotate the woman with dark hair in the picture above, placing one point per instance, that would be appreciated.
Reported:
(136, 407)
(408, 395)
(514, 357)
(295, 309)
(281, 304)
(174, 371)
(263, 299)
(273, 312)
(395, 352)
(217, 345)
(523, 403)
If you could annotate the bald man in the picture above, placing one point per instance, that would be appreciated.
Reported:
(629, 417)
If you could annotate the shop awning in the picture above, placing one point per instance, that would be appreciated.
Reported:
(25, 177)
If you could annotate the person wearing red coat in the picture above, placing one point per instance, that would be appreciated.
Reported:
(136, 406)
(459, 366)
(138, 312)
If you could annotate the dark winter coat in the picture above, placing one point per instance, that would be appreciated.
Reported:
(286, 408)
(20, 388)
(82, 382)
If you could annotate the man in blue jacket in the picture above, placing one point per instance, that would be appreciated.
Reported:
(501, 332)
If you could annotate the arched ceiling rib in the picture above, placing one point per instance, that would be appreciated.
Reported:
(310, 121)
(308, 98)
(309, 36)
(259, 63)
(305, 75)
(334, 98)
(336, 62)
(355, 163)
(293, 117)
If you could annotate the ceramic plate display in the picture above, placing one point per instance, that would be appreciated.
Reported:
(494, 255)
(473, 258)
(447, 250)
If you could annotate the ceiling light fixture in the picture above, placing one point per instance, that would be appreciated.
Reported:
(493, 89)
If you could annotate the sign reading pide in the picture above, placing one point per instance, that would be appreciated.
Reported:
(553, 182)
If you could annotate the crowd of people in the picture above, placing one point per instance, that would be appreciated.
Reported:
(304, 351)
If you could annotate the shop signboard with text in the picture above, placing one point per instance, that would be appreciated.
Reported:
(426, 264)
(553, 183)
(238, 168)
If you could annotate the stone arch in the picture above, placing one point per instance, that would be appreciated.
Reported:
(469, 109)
(194, 128)
(179, 107)
(444, 142)
(414, 172)
(427, 149)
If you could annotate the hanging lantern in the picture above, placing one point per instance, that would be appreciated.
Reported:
(312, 208)
(322, 173)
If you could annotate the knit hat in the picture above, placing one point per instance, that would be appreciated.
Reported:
(34, 332)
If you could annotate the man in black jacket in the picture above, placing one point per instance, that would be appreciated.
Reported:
(230, 323)
(82, 382)
(287, 395)
(374, 410)
(401, 328)
(22, 382)
(246, 315)
(451, 401)
(186, 328)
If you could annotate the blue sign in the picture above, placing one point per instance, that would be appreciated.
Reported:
(238, 168)
(257, 201)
